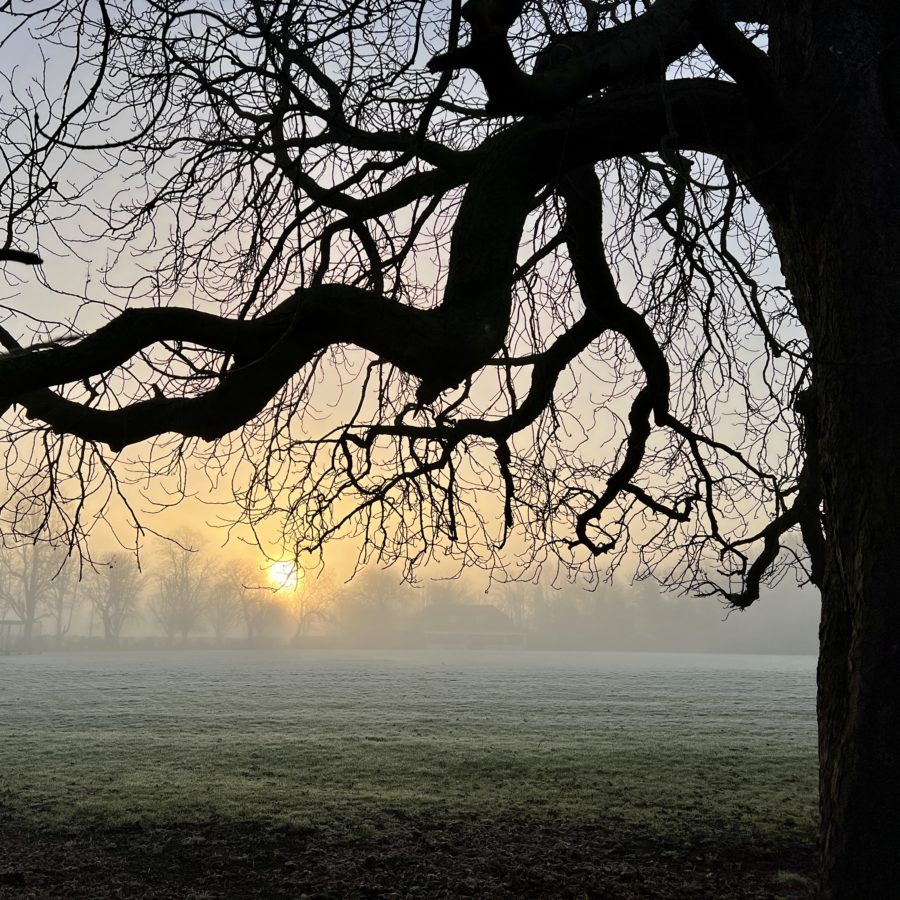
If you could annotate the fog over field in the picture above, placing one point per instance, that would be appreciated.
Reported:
(659, 742)
(192, 596)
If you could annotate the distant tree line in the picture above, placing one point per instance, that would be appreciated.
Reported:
(182, 593)
(178, 590)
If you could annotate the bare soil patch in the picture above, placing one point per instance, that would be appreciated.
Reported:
(412, 858)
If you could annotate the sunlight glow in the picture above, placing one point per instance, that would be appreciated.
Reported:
(284, 575)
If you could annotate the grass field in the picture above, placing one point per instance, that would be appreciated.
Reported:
(679, 751)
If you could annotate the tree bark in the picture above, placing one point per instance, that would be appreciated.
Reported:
(859, 664)
(839, 235)
(838, 230)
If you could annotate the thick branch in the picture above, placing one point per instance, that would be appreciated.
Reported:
(648, 42)
(441, 346)
(756, 11)
(20, 256)
(584, 208)
(548, 366)
(738, 57)
(113, 344)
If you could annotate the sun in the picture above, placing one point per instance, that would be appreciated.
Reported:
(284, 575)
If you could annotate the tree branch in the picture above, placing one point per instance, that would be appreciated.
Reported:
(597, 60)
(20, 256)
(738, 57)
(441, 346)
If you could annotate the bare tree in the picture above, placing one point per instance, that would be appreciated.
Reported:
(182, 580)
(375, 606)
(62, 597)
(451, 590)
(115, 590)
(556, 252)
(27, 572)
(519, 601)
(225, 608)
(309, 600)
(254, 599)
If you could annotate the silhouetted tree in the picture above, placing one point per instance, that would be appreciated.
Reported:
(27, 571)
(243, 583)
(62, 598)
(308, 601)
(224, 609)
(183, 580)
(556, 247)
(517, 601)
(115, 589)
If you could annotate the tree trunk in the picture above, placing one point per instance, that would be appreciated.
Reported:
(836, 217)
(859, 665)
(28, 633)
(840, 247)
(60, 633)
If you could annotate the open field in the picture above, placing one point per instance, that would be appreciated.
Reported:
(693, 757)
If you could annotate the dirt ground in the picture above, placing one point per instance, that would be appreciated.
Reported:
(417, 858)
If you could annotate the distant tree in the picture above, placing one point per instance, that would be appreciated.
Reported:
(310, 601)
(450, 590)
(62, 597)
(518, 600)
(182, 579)
(115, 590)
(559, 621)
(224, 608)
(254, 599)
(27, 571)
(374, 606)
(517, 604)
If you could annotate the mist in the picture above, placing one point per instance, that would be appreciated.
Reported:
(191, 597)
